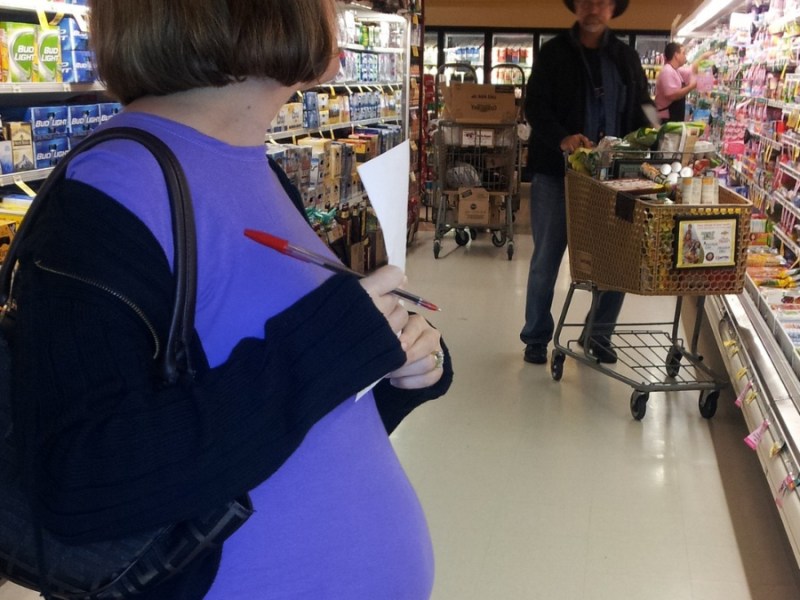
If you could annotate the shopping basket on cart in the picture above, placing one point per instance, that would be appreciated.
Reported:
(621, 242)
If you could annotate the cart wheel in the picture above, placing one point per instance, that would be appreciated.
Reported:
(499, 238)
(557, 364)
(639, 404)
(708, 403)
(436, 247)
(673, 362)
(510, 250)
(462, 237)
(473, 233)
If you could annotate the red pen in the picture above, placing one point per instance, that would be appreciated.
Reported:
(284, 247)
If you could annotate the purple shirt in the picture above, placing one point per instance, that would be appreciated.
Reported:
(339, 519)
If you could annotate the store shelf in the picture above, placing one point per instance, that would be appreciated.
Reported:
(24, 176)
(759, 370)
(50, 88)
(304, 131)
(47, 6)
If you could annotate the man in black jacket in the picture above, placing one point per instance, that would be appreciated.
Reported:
(585, 84)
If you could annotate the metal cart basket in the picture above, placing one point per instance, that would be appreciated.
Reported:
(476, 170)
(620, 242)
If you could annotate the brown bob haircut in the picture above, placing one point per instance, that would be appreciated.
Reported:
(159, 47)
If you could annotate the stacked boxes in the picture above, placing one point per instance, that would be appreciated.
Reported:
(76, 59)
(49, 126)
(39, 136)
(30, 53)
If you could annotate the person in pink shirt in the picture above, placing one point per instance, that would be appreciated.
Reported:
(674, 82)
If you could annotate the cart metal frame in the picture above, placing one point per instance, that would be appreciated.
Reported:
(651, 357)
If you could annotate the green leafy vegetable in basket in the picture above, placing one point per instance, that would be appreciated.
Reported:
(677, 126)
(644, 137)
(583, 160)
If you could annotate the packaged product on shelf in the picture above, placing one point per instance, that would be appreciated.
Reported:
(20, 134)
(3, 56)
(294, 115)
(278, 124)
(108, 110)
(310, 110)
(82, 119)
(71, 36)
(6, 157)
(49, 53)
(334, 111)
(77, 67)
(21, 44)
(47, 153)
(47, 121)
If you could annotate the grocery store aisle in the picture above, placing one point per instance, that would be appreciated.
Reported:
(536, 489)
(542, 489)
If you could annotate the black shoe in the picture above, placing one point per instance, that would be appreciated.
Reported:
(536, 353)
(602, 351)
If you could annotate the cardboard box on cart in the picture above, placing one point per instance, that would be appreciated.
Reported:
(476, 103)
(473, 206)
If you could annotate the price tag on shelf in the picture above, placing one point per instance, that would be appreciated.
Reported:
(24, 186)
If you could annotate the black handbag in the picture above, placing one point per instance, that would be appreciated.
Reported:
(124, 567)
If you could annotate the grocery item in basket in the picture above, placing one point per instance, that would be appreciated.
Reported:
(584, 160)
(644, 137)
(634, 186)
(462, 175)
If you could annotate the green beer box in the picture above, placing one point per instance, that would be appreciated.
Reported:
(49, 55)
(21, 42)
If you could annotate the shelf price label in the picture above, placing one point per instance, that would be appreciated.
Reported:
(20, 183)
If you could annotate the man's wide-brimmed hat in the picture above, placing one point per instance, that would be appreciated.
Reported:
(619, 6)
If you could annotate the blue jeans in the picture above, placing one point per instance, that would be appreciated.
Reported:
(549, 230)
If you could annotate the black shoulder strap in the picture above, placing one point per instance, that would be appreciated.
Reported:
(175, 360)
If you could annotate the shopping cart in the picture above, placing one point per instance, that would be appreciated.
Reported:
(621, 242)
(476, 183)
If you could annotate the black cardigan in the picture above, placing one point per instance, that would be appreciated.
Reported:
(116, 452)
(555, 98)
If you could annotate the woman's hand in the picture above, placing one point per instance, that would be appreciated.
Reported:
(423, 349)
(379, 285)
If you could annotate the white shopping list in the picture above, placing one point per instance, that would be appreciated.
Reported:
(385, 179)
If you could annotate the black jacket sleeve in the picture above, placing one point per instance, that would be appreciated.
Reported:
(114, 451)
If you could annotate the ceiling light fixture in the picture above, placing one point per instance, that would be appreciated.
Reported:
(707, 11)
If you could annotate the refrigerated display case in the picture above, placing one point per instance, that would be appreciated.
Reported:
(468, 48)
(511, 49)
(431, 59)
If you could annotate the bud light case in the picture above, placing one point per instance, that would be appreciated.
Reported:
(48, 152)
(47, 121)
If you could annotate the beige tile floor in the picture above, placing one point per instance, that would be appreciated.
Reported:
(536, 489)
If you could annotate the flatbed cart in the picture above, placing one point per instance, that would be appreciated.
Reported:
(621, 242)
